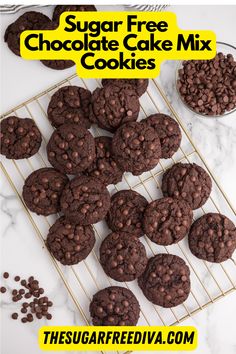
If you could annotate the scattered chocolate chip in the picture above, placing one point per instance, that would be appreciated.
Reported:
(23, 282)
(30, 317)
(14, 316)
(39, 306)
(3, 289)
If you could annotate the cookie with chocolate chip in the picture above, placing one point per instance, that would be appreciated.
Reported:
(42, 191)
(71, 149)
(70, 104)
(68, 242)
(114, 306)
(114, 105)
(187, 181)
(85, 200)
(166, 280)
(126, 212)
(104, 166)
(139, 85)
(167, 220)
(213, 238)
(31, 20)
(20, 138)
(55, 64)
(59, 9)
(123, 256)
(168, 131)
(136, 147)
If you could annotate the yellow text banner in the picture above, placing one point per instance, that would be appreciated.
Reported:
(118, 44)
(96, 338)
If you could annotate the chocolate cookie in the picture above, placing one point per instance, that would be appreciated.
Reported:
(168, 131)
(167, 221)
(70, 104)
(136, 147)
(42, 191)
(114, 306)
(59, 9)
(114, 105)
(70, 243)
(104, 166)
(55, 64)
(123, 256)
(166, 280)
(85, 200)
(126, 212)
(71, 149)
(31, 20)
(187, 181)
(139, 85)
(213, 238)
(20, 138)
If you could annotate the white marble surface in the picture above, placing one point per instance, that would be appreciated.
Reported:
(22, 252)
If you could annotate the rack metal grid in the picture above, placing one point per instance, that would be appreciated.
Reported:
(209, 282)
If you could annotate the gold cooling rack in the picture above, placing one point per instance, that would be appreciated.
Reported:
(210, 282)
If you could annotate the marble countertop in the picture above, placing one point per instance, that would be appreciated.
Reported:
(22, 252)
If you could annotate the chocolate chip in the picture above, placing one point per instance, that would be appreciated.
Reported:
(3, 289)
(17, 278)
(14, 316)
(5, 275)
(208, 86)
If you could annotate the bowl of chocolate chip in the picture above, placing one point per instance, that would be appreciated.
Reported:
(208, 87)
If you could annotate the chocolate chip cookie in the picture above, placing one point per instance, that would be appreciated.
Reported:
(104, 166)
(139, 85)
(126, 212)
(166, 280)
(114, 306)
(70, 104)
(70, 243)
(123, 256)
(30, 20)
(213, 238)
(114, 105)
(85, 200)
(42, 191)
(168, 131)
(71, 149)
(187, 181)
(55, 64)
(59, 9)
(20, 138)
(136, 147)
(167, 220)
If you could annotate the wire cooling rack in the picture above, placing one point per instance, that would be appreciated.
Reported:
(209, 282)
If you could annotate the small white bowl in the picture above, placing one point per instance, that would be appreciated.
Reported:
(221, 48)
